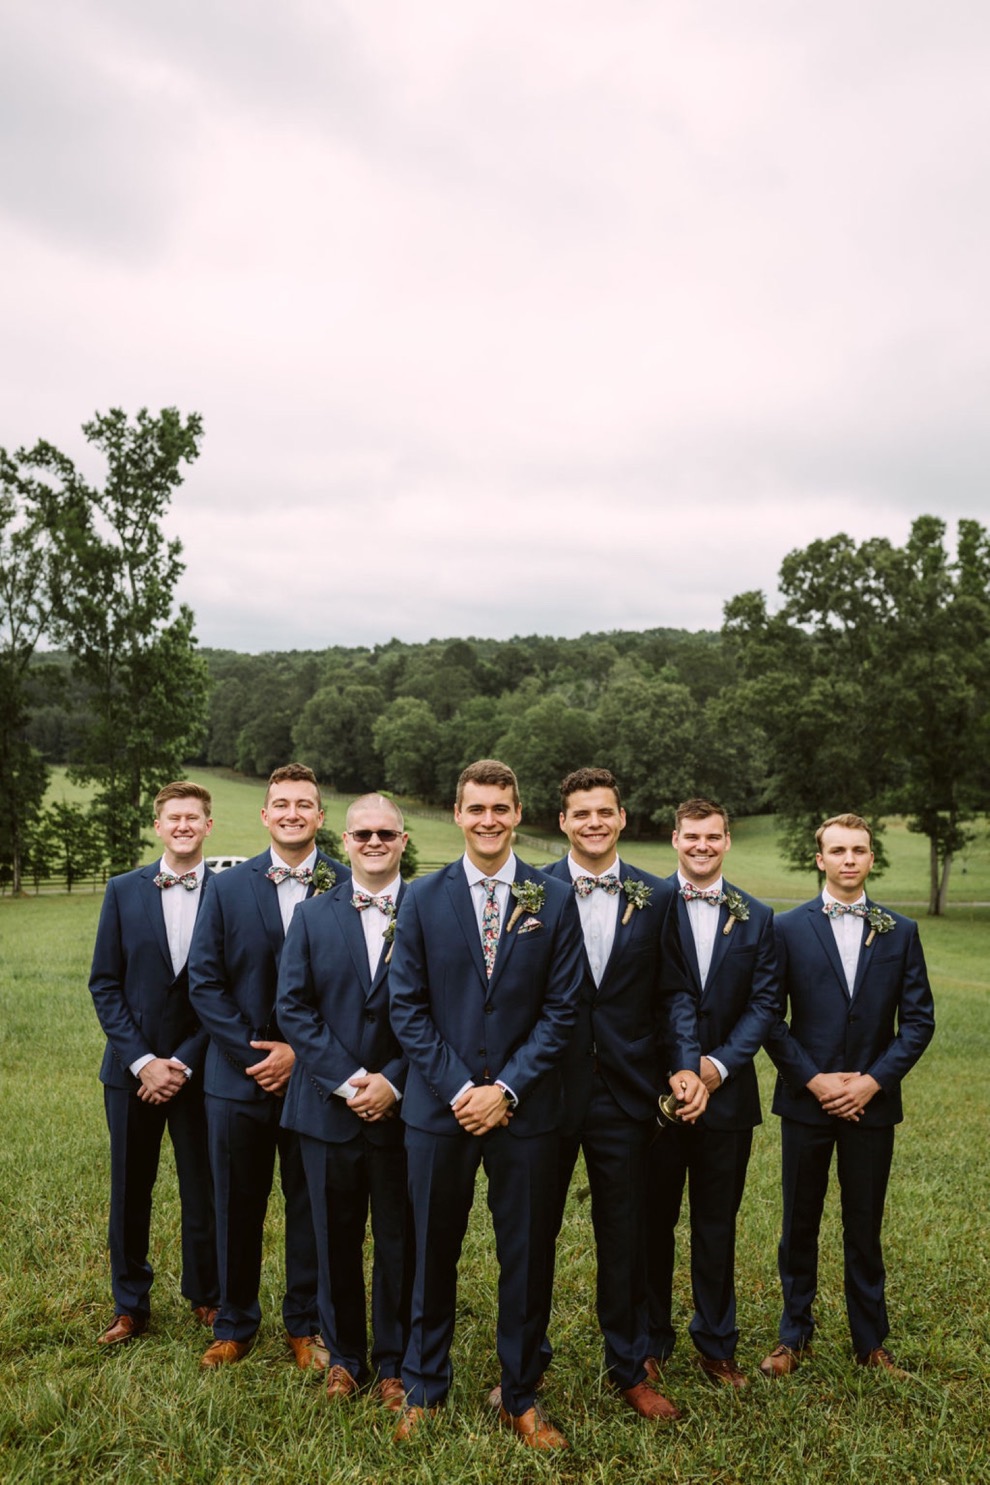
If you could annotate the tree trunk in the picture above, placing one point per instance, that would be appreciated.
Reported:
(943, 890)
(933, 899)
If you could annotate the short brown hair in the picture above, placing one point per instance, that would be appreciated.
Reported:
(700, 809)
(847, 822)
(488, 771)
(293, 773)
(583, 779)
(184, 789)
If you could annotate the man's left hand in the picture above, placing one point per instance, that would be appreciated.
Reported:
(851, 1099)
(481, 1109)
(273, 1072)
(375, 1098)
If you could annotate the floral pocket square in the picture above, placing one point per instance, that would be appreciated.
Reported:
(529, 925)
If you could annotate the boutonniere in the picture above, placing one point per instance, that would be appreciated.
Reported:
(530, 897)
(388, 934)
(324, 877)
(879, 921)
(638, 895)
(738, 909)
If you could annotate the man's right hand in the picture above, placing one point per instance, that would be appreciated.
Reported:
(160, 1079)
(691, 1095)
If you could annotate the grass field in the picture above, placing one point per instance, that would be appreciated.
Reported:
(69, 1412)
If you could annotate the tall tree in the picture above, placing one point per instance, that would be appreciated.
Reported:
(114, 611)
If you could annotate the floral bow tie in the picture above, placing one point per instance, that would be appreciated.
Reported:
(712, 895)
(166, 879)
(383, 902)
(278, 874)
(833, 910)
(584, 886)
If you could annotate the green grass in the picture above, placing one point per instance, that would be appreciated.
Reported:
(70, 1412)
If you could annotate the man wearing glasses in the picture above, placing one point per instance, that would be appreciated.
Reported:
(342, 1101)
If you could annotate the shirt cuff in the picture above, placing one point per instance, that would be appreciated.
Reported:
(461, 1092)
(513, 1101)
(140, 1062)
(719, 1068)
(348, 1090)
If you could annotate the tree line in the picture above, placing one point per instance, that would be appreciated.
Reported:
(865, 688)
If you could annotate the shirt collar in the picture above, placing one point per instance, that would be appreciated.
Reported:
(166, 871)
(392, 890)
(579, 871)
(827, 897)
(712, 887)
(506, 873)
(310, 861)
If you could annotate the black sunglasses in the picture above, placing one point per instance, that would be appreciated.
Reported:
(363, 836)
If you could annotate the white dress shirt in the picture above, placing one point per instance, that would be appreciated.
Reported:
(290, 892)
(598, 913)
(374, 923)
(179, 909)
(704, 918)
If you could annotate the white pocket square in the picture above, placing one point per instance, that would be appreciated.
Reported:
(528, 925)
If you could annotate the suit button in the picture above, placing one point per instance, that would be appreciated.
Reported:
(489, 1009)
(370, 1016)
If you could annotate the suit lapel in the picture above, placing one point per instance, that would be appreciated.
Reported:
(266, 894)
(721, 945)
(462, 911)
(351, 928)
(152, 898)
(865, 954)
(382, 969)
(620, 937)
(688, 946)
(507, 940)
(822, 929)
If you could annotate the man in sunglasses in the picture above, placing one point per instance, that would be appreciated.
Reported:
(342, 1101)
(233, 974)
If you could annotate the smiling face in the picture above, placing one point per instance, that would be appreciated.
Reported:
(292, 816)
(846, 859)
(374, 862)
(593, 820)
(701, 846)
(182, 826)
(488, 815)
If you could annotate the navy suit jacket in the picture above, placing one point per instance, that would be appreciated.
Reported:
(233, 972)
(730, 1017)
(334, 1016)
(621, 1022)
(882, 1029)
(142, 1005)
(457, 1026)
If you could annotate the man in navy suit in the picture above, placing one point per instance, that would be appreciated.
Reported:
(861, 1014)
(343, 1097)
(152, 1071)
(614, 1067)
(483, 990)
(233, 976)
(728, 945)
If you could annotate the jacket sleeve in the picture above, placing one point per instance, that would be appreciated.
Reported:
(440, 1067)
(106, 985)
(915, 1016)
(546, 1042)
(318, 1048)
(210, 992)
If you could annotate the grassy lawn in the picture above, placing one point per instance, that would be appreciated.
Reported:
(145, 1412)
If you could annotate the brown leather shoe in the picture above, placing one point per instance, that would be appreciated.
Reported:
(206, 1314)
(390, 1392)
(310, 1352)
(723, 1372)
(648, 1403)
(783, 1360)
(495, 1396)
(122, 1328)
(533, 1429)
(222, 1352)
(411, 1421)
(880, 1359)
(654, 1368)
(340, 1384)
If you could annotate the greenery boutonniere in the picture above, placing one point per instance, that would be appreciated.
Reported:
(638, 895)
(738, 909)
(324, 877)
(530, 897)
(879, 921)
(389, 934)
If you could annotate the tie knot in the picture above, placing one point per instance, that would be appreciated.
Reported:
(710, 895)
(833, 910)
(166, 879)
(584, 886)
(279, 874)
(382, 901)
(489, 884)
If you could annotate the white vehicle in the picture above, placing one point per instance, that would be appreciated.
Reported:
(223, 863)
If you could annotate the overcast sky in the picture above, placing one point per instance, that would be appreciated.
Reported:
(504, 316)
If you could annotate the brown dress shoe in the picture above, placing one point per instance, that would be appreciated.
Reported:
(206, 1314)
(221, 1352)
(783, 1360)
(340, 1384)
(648, 1403)
(533, 1429)
(390, 1392)
(122, 1328)
(880, 1359)
(310, 1352)
(411, 1421)
(723, 1371)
